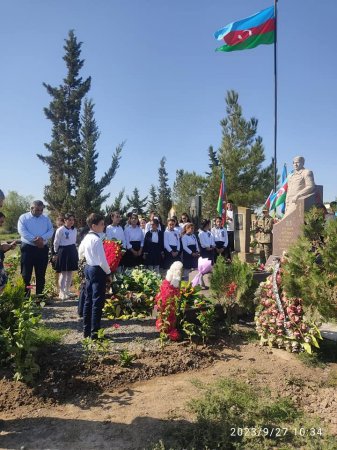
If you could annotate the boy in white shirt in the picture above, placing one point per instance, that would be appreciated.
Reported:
(97, 273)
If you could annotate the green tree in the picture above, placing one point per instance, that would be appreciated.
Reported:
(152, 204)
(14, 206)
(164, 191)
(65, 153)
(213, 159)
(310, 269)
(72, 158)
(116, 205)
(241, 155)
(89, 196)
(186, 186)
(136, 203)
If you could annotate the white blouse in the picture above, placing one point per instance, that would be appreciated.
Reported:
(189, 239)
(171, 238)
(133, 234)
(206, 239)
(115, 232)
(64, 236)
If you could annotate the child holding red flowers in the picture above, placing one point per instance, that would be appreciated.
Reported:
(97, 272)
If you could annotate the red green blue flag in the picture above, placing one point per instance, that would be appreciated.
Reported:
(282, 193)
(283, 179)
(269, 200)
(221, 206)
(248, 33)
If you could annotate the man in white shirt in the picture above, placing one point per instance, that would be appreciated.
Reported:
(97, 273)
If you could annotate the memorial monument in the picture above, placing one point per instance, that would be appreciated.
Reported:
(302, 195)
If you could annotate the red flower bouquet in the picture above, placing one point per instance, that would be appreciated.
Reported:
(113, 253)
(166, 307)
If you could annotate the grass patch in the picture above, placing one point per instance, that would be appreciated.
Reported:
(332, 379)
(247, 334)
(233, 415)
(9, 236)
(48, 337)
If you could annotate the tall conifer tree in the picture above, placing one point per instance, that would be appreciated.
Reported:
(241, 155)
(89, 197)
(64, 112)
(164, 191)
(72, 158)
(152, 204)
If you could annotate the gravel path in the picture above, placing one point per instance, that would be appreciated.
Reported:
(134, 335)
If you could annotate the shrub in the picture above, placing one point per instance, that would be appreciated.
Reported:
(19, 321)
(310, 270)
(233, 415)
(232, 285)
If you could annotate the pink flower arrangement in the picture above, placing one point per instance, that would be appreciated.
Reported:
(283, 324)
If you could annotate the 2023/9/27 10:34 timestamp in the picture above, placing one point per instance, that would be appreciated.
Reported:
(274, 432)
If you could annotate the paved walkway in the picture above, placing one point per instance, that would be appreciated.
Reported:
(329, 331)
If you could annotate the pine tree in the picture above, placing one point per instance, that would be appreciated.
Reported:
(136, 203)
(152, 204)
(213, 159)
(89, 197)
(164, 191)
(65, 155)
(241, 155)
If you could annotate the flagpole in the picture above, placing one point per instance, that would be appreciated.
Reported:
(275, 98)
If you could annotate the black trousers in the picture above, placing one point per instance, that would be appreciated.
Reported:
(34, 258)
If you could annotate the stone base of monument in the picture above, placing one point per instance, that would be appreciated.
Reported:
(287, 230)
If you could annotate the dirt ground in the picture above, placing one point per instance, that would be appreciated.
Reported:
(101, 405)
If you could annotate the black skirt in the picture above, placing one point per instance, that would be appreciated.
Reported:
(169, 260)
(67, 259)
(189, 261)
(153, 256)
(207, 253)
(129, 259)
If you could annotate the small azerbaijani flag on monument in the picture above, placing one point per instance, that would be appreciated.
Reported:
(282, 193)
(221, 206)
(248, 33)
(283, 179)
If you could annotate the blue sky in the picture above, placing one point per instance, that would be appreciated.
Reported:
(158, 84)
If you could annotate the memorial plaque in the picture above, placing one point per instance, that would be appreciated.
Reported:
(242, 225)
(287, 230)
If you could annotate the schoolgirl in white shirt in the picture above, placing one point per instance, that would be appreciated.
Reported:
(190, 249)
(66, 254)
(220, 238)
(206, 240)
(115, 231)
(134, 238)
(171, 244)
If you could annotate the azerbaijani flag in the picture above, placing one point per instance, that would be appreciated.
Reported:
(248, 33)
(221, 206)
(282, 193)
(283, 179)
(269, 199)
